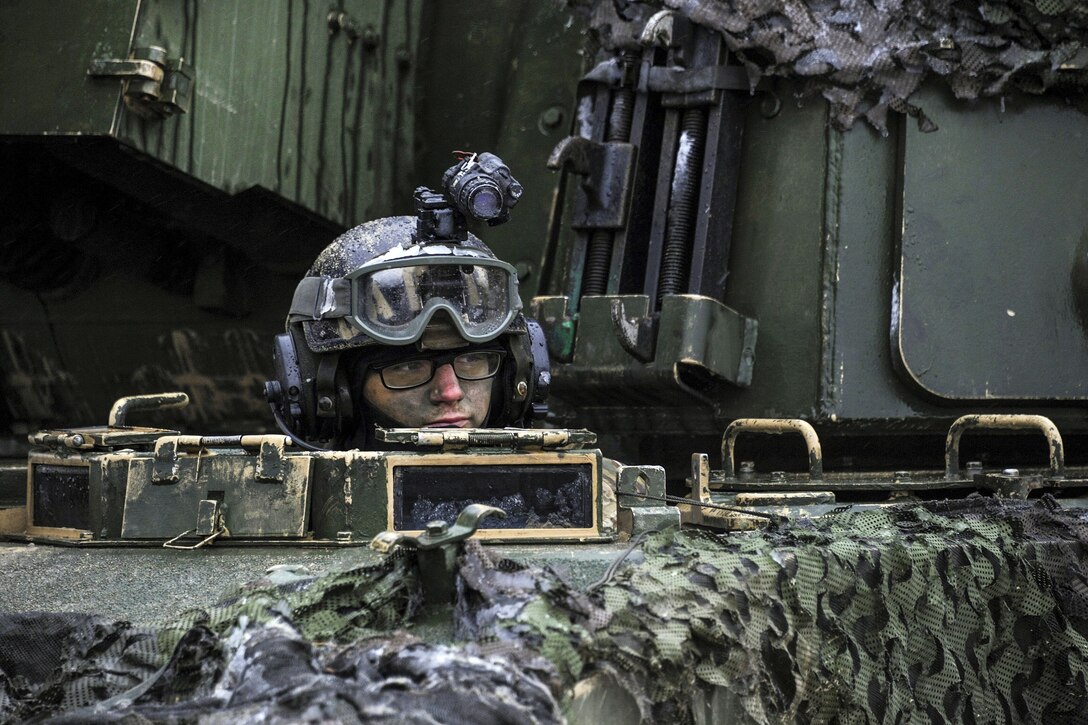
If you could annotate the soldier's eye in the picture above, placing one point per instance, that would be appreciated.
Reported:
(477, 365)
(407, 374)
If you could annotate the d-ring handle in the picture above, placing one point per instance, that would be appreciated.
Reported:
(773, 426)
(1003, 422)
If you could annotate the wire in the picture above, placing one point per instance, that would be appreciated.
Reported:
(615, 565)
(282, 425)
(704, 504)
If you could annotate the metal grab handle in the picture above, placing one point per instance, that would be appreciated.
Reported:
(155, 401)
(773, 426)
(1003, 422)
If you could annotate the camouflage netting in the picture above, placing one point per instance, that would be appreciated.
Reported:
(867, 57)
(970, 611)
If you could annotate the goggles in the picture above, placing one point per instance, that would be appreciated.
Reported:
(393, 301)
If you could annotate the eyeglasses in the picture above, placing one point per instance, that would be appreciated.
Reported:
(419, 371)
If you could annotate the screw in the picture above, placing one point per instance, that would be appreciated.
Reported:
(371, 38)
(522, 388)
(551, 117)
(343, 536)
(770, 105)
(778, 475)
(747, 466)
(324, 403)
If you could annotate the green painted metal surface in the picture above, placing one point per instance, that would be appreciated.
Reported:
(284, 102)
(501, 77)
(992, 213)
(44, 54)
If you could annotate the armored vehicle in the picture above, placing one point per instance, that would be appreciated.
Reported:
(813, 282)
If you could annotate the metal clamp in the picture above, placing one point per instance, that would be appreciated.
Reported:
(773, 426)
(1003, 422)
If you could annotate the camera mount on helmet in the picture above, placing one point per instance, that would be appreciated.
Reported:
(478, 187)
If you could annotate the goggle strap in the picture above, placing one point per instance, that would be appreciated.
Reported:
(320, 298)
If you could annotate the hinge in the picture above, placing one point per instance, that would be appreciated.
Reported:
(153, 84)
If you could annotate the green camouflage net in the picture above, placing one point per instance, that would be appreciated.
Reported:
(973, 611)
(953, 613)
(338, 607)
(866, 58)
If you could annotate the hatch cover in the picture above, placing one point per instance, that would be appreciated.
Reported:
(994, 213)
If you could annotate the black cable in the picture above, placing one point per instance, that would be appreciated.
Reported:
(693, 502)
(282, 425)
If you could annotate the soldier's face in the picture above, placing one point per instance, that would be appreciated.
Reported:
(444, 402)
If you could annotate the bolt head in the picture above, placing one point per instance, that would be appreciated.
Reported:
(436, 528)
(324, 403)
(552, 117)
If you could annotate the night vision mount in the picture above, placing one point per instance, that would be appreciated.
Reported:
(478, 187)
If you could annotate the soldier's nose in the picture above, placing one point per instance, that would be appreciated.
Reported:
(446, 388)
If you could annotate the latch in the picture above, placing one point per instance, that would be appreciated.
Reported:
(210, 525)
(438, 548)
(154, 86)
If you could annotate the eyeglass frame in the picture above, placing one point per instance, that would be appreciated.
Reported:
(437, 361)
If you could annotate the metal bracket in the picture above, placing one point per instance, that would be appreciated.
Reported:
(607, 170)
(638, 514)
(1003, 422)
(438, 549)
(637, 335)
(154, 86)
(165, 467)
(271, 465)
(773, 426)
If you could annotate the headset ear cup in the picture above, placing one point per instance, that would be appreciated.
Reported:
(541, 378)
(288, 379)
(307, 375)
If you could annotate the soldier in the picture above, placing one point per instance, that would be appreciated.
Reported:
(411, 322)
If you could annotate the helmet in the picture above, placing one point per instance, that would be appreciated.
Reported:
(380, 285)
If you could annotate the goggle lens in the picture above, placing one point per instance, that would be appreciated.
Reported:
(394, 304)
